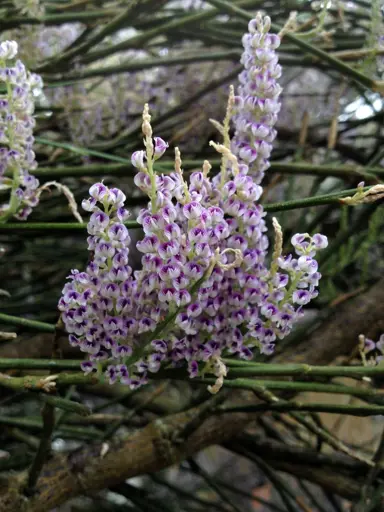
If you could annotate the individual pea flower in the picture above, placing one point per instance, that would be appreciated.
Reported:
(371, 352)
(17, 157)
(160, 147)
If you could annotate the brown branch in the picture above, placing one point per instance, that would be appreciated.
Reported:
(150, 449)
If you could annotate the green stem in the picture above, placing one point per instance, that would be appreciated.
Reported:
(340, 171)
(351, 410)
(66, 405)
(48, 415)
(333, 198)
(81, 151)
(39, 364)
(314, 387)
(58, 19)
(25, 322)
(37, 425)
(46, 384)
(239, 368)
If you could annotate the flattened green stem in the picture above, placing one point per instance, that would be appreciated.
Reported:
(39, 364)
(351, 410)
(58, 19)
(48, 416)
(247, 369)
(25, 322)
(307, 202)
(315, 387)
(236, 368)
(46, 384)
(339, 171)
(66, 405)
(80, 150)
(36, 425)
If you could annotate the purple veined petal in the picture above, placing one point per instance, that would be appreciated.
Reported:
(169, 272)
(160, 147)
(180, 282)
(380, 344)
(301, 297)
(99, 220)
(192, 210)
(194, 310)
(111, 374)
(298, 239)
(246, 353)
(74, 341)
(149, 244)
(88, 366)
(154, 362)
(137, 159)
(168, 249)
(160, 345)
(197, 180)
(98, 191)
(101, 355)
(89, 204)
(121, 351)
(142, 181)
(118, 232)
(369, 345)
(168, 213)
(193, 369)
(203, 250)
(320, 241)
(146, 324)
(307, 264)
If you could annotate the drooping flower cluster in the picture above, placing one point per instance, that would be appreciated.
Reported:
(257, 102)
(204, 290)
(16, 134)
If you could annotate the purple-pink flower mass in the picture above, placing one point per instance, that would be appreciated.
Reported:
(206, 289)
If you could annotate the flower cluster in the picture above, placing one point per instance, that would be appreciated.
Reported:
(16, 134)
(257, 102)
(204, 290)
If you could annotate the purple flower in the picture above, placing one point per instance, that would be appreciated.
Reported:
(137, 160)
(88, 366)
(160, 147)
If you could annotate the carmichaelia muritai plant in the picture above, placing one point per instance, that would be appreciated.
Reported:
(205, 289)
